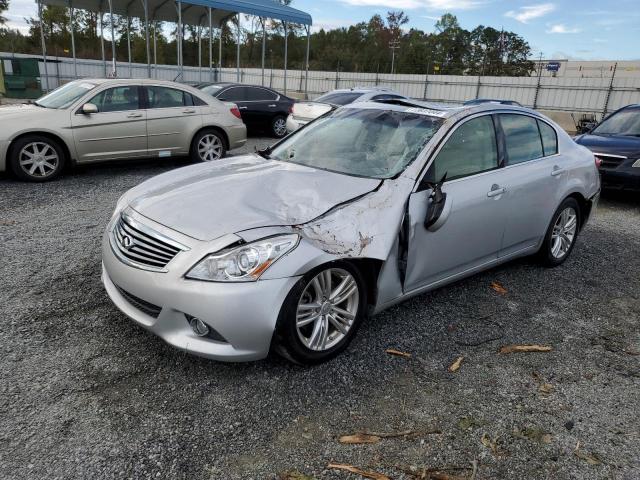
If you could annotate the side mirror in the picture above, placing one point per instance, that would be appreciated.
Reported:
(437, 201)
(89, 108)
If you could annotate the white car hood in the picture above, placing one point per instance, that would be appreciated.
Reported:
(207, 201)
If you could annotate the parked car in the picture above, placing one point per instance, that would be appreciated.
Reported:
(87, 121)
(478, 101)
(292, 247)
(262, 109)
(616, 145)
(304, 112)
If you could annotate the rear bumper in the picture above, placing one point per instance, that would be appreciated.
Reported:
(237, 136)
(622, 178)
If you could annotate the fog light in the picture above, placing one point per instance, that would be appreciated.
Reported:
(199, 327)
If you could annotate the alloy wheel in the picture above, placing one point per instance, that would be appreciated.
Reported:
(38, 159)
(564, 232)
(327, 309)
(210, 148)
(280, 127)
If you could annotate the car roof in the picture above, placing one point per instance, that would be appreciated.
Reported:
(439, 109)
(360, 90)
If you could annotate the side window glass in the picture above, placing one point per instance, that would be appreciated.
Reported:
(235, 94)
(522, 138)
(163, 97)
(259, 94)
(387, 97)
(549, 138)
(118, 99)
(198, 102)
(469, 150)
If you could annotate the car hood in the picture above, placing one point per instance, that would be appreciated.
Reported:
(616, 145)
(207, 201)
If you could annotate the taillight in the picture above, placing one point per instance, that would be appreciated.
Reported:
(598, 161)
(290, 109)
(236, 112)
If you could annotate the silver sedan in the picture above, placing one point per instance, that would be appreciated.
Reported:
(90, 121)
(291, 248)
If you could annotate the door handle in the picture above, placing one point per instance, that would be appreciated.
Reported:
(272, 106)
(242, 108)
(189, 110)
(134, 115)
(496, 190)
(557, 171)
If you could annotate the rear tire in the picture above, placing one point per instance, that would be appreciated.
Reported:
(279, 126)
(562, 234)
(321, 314)
(36, 158)
(208, 146)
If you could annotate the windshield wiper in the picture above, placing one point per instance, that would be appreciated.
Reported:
(264, 153)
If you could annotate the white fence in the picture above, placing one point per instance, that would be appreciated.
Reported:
(568, 94)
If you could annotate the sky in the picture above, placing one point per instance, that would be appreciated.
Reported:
(560, 29)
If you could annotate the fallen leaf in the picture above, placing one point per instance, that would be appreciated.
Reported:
(397, 353)
(455, 366)
(358, 438)
(524, 348)
(294, 475)
(467, 423)
(444, 476)
(358, 471)
(590, 458)
(437, 473)
(546, 388)
(534, 433)
(499, 288)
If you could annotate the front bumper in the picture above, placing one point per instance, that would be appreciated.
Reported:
(243, 314)
(621, 178)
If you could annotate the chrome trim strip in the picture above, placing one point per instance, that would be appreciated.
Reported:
(111, 138)
(611, 155)
(153, 234)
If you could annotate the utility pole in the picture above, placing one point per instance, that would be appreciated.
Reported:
(394, 45)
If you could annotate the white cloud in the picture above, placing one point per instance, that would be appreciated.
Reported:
(331, 23)
(442, 5)
(530, 12)
(562, 28)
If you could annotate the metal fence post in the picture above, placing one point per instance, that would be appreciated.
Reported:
(535, 98)
(606, 102)
(378, 75)
(478, 87)
(426, 85)
(337, 75)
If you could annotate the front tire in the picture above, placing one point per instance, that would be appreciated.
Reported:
(562, 234)
(35, 158)
(321, 314)
(207, 146)
(279, 126)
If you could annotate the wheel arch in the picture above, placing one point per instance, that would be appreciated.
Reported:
(51, 136)
(215, 128)
(584, 204)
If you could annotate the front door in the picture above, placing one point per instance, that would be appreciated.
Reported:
(118, 130)
(469, 232)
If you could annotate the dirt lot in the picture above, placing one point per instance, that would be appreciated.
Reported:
(84, 393)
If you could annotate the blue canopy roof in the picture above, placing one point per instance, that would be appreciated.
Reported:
(194, 12)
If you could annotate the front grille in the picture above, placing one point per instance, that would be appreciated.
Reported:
(142, 305)
(610, 161)
(142, 247)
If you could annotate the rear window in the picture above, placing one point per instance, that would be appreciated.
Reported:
(342, 98)
(549, 138)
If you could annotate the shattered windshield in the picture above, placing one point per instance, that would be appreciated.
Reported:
(370, 143)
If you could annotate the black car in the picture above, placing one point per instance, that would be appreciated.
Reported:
(478, 101)
(616, 146)
(261, 108)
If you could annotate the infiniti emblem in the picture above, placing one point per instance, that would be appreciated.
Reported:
(127, 242)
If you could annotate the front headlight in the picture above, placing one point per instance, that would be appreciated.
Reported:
(245, 263)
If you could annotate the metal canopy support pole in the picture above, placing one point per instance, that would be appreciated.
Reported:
(210, 45)
(145, 6)
(129, 42)
(200, 52)
(306, 64)
(114, 70)
(104, 58)
(219, 78)
(179, 40)
(44, 45)
(286, 52)
(238, 53)
(73, 38)
(264, 44)
(155, 49)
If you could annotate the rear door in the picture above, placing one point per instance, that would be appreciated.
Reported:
(238, 95)
(172, 120)
(468, 235)
(536, 179)
(117, 131)
(262, 105)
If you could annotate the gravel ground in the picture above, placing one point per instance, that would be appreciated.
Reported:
(84, 393)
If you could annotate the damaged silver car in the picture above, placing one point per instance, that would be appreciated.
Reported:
(291, 248)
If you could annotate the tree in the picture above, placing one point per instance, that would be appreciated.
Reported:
(4, 6)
